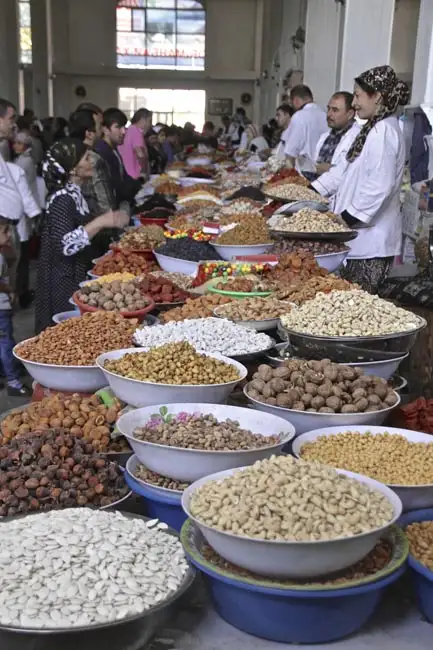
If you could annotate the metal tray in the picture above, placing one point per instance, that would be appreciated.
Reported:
(345, 235)
(132, 633)
(295, 206)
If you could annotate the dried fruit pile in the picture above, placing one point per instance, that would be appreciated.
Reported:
(161, 290)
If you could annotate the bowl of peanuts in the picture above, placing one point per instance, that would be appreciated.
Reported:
(399, 458)
(286, 518)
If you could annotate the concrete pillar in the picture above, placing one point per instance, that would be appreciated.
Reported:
(322, 44)
(9, 58)
(367, 37)
(41, 30)
(422, 88)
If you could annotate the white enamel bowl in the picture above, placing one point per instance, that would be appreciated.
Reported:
(331, 261)
(65, 315)
(296, 560)
(385, 369)
(175, 265)
(80, 379)
(189, 465)
(143, 393)
(304, 421)
(229, 252)
(412, 497)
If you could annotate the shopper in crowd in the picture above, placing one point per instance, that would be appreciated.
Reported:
(283, 117)
(189, 136)
(33, 131)
(166, 138)
(237, 127)
(96, 112)
(19, 263)
(11, 205)
(22, 146)
(134, 149)
(342, 131)
(251, 138)
(306, 126)
(223, 131)
(209, 135)
(368, 192)
(157, 155)
(113, 133)
(15, 387)
(67, 229)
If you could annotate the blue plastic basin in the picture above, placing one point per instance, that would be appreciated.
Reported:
(287, 615)
(165, 508)
(422, 577)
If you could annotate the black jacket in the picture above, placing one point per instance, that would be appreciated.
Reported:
(125, 188)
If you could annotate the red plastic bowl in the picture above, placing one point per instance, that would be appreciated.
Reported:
(147, 253)
(140, 315)
(146, 221)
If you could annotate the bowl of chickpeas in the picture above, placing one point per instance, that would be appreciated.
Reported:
(399, 458)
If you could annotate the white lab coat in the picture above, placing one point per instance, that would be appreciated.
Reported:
(342, 147)
(369, 189)
(30, 208)
(303, 133)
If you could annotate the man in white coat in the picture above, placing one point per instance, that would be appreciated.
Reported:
(307, 125)
(341, 118)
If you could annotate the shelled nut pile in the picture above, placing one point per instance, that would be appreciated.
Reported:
(388, 458)
(191, 431)
(78, 341)
(308, 220)
(173, 363)
(52, 469)
(251, 232)
(78, 568)
(420, 536)
(242, 285)
(253, 309)
(201, 307)
(158, 480)
(282, 498)
(320, 387)
(356, 314)
(142, 238)
(308, 290)
(207, 334)
(315, 247)
(292, 192)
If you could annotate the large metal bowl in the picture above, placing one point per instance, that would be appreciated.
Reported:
(351, 349)
(341, 236)
(132, 633)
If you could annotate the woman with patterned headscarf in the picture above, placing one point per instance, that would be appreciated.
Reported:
(366, 186)
(67, 229)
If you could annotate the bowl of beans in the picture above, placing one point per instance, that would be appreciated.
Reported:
(185, 442)
(399, 458)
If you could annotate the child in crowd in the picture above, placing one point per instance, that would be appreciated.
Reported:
(10, 366)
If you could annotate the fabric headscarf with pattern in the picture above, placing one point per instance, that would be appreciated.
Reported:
(394, 92)
(59, 162)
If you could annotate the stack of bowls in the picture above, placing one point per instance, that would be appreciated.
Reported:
(250, 590)
(188, 465)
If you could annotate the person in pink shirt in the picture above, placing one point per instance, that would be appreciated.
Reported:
(134, 149)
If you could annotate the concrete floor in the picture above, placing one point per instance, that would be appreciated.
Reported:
(397, 625)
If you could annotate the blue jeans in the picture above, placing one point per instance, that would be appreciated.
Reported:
(10, 366)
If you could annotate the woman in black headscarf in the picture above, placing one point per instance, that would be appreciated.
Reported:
(366, 189)
(67, 229)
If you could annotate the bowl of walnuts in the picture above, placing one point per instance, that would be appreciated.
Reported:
(123, 297)
(317, 394)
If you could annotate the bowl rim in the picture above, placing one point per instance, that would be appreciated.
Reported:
(47, 365)
(178, 259)
(288, 437)
(242, 245)
(48, 631)
(309, 590)
(386, 491)
(126, 314)
(394, 431)
(228, 360)
(166, 491)
(285, 409)
(346, 253)
(354, 339)
(350, 363)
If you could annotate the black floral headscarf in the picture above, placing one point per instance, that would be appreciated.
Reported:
(394, 93)
(59, 162)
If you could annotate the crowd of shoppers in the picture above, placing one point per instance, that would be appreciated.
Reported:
(75, 181)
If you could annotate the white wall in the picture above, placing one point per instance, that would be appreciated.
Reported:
(84, 40)
(404, 35)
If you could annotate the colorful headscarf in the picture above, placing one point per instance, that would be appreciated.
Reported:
(394, 92)
(59, 162)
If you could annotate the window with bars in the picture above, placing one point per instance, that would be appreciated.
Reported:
(25, 31)
(161, 34)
